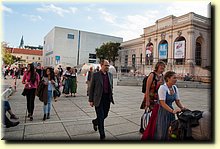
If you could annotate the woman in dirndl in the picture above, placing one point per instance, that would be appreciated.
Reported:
(168, 93)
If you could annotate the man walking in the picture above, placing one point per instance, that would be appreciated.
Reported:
(100, 96)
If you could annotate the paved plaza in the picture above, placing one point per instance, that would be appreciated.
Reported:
(71, 117)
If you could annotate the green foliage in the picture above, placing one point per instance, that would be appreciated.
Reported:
(7, 58)
(108, 51)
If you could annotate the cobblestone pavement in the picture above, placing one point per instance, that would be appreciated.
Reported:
(71, 117)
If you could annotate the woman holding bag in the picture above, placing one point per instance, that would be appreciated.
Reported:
(154, 81)
(31, 80)
(50, 83)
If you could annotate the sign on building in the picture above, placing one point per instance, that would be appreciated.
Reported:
(163, 51)
(57, 60)
(179, 49)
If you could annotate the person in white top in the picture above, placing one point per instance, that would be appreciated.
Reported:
(168, 93)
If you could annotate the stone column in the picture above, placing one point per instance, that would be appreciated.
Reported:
(170, 53)
(190, 52)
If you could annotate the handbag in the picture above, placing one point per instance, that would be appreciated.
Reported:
(24, 92)
(145, 119)
(63, 82)
(56, 92)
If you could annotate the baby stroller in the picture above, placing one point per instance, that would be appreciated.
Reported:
(181, 129)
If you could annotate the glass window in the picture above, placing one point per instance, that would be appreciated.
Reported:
(141, 59)
(133, 59)
(92, 56)
(126, 60)
(70, 36)
(38, 58)
(92, 61)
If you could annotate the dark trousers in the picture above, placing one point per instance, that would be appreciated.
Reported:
(30, 100)
(101, 113)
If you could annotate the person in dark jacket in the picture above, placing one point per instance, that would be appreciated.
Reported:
(101, 95)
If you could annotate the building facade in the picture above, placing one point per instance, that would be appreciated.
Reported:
(73, 47)
(183, 43)
(26, 55)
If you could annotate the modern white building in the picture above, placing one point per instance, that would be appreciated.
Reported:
(73, 47)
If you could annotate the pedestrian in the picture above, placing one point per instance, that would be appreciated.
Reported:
(16, 74)
(12, 72)
(57, 79)
(6, 121)
(154, 80)
(50, 83)
(88, 79)
(31, 80)
(73, 82)
(39, 71)
(101, 95)
(60, 71)
(168, 93)
(66, 80)
(19, 71)
(5, 72)
(97, 69)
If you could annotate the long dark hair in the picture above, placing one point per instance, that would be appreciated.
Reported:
(51, 73)
(33, 74)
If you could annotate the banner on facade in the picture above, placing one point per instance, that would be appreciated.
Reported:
(149, 53)
(163, 48)
(179, 49)
(57, 60)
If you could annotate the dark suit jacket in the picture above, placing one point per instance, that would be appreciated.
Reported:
(96, 88)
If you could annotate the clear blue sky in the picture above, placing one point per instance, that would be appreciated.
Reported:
(34, 20)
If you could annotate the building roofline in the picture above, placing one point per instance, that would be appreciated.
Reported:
(88, 32)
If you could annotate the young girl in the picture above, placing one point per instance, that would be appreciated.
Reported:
(50, 83)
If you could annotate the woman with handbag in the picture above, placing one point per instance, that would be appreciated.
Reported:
(57, 92)
(67, 82)
(73, 82)
(50, 83)
(31, 80)
(154, 80)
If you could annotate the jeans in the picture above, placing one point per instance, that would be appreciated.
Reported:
(47, 107)
(101, 113)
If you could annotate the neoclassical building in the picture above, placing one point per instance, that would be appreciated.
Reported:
(183, 43)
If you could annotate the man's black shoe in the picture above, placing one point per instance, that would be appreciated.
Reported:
(94, 126)
(102, 137)
(12, 124)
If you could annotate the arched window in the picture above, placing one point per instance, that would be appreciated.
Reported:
(198, 59)
(149, 54)
(141, 59)
(163, 50)
(179, 50)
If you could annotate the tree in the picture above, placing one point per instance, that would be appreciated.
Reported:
(108, 51)
(7, 58)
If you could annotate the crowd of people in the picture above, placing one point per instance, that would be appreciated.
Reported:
(161, 92)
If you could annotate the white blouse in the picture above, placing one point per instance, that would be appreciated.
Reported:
(164, 89)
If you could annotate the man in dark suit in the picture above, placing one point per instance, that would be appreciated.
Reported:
(100, 96)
